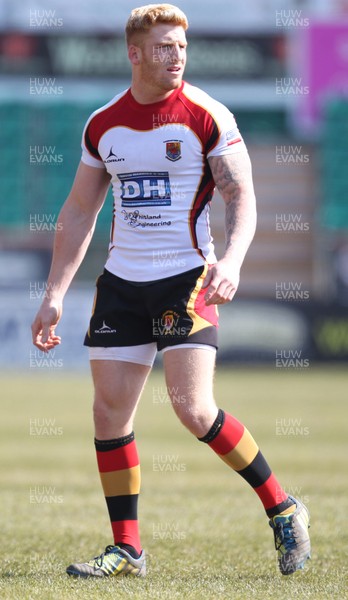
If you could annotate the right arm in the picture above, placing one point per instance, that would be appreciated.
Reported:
(76, 223)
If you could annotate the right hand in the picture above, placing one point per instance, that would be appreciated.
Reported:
(44, 325)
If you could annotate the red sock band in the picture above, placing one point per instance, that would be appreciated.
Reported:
(234, 444)
(118, 464)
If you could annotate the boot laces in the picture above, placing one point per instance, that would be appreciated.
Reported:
(98, 560)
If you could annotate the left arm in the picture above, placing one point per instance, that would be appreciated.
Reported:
(233, 178)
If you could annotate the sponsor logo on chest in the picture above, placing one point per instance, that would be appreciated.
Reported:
(145, 188)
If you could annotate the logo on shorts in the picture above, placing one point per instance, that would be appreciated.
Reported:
(105, 329)
(168, 324)
(169, 321)
(173, 149)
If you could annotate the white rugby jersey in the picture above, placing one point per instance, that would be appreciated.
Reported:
(156, 155)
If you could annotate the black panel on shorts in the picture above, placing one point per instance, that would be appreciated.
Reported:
(129, 314)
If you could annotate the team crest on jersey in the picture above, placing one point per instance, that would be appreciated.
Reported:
(173, 149)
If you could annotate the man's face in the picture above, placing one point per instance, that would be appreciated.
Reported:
(163, 56)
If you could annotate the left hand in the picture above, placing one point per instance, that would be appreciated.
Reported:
(221, 281)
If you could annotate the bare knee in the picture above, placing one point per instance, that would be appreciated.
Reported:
(110, 419)
(189, 377)
(113, 411)
(197, 418)
(117, 389)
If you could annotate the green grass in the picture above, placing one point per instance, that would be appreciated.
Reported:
(218, 544)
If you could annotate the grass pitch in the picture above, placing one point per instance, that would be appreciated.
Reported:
(203, 528)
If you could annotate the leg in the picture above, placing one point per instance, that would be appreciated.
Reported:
(119, 374)
(118, 386)
(189, 374)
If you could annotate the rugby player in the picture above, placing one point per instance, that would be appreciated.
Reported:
(164, 146)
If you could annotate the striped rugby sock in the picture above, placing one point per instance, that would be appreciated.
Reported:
(237, 448)
(119, 470)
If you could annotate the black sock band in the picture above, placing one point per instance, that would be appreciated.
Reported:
(276, 510)
(130, 549)
(215, 428)
(106, 445)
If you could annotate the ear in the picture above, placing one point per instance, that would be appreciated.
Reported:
(134, 54)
